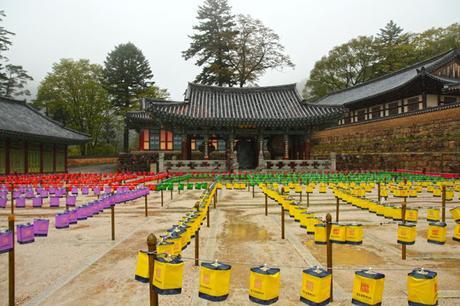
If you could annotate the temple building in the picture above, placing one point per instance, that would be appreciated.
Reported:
(30, 142)
(428, 84)
(232, 128)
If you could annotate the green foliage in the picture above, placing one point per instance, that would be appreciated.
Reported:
(256, 49)
(367, 57)
(127, 75)
(233, 51)
(212, 43)
(13, 78)
(73, 94)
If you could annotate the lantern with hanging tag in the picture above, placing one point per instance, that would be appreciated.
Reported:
(455, 212)
(167, 275)
(320, 233)
(264, 285)
(41, 227)
(422, 287)
(214, 281)
(437, 232)
(6, 241)
(25, 233)
(316, 286)
(354, 233)
(368, 288)
(338, 233)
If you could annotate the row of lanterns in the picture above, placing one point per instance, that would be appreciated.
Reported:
(264, 283)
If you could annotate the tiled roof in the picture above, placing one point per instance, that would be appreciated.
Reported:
(273, 106)
(389, 82)
(19, 119)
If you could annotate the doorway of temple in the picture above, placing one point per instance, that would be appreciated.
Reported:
(246, 153)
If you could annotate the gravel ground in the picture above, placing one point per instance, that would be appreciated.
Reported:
(82, 266)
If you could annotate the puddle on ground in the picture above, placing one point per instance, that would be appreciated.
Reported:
(344, 255)
(239, 229)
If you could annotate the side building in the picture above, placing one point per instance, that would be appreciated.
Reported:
(425, 85)
(30, 142)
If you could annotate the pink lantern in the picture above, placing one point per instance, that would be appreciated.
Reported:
(41, 227)
(62, 220)
(6, 241)
(25, 233)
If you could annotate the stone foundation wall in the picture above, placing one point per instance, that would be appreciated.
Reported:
(428, 141)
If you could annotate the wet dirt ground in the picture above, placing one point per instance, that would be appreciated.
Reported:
(82, 266)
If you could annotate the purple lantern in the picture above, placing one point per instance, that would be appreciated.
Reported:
(21, 202)
(97, 190)
(54, 201)
(37, 202)
(2, 202)
(107, 189)
(41, 227)
(70, 201)
(62, 220)
(16, 194)
(6, 241)
(85, 190)
(73, 216)
(81, 213)
(74, 190)
(30, 194)
(25, 233)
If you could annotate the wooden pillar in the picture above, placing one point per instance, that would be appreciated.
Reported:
(7, 156)
(65, 158)
(286, 146)
(41, 158)
(230, 156)
(54, 157)
(184, 149)
(206, 143)
(306, 147)
(141, 139)
(26, 156)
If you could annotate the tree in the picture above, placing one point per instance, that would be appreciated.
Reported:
(345, 66)
(73, 94)
(213, 42)
(435, 41)
(393, 48)
(256, 49)
(14, 81)
(13, 78)
(127, 75)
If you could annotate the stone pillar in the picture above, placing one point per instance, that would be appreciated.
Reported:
(231, 155)
(333, 161)
(286, 146)
(261, 163)
(161, 161)
(205, 143)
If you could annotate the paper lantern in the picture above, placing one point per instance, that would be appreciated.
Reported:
(20, 202)
(338, 233)
(455, 212)
(70, 201)
(422, 287)
(3, 202)
(37, 202)
(320, 233)
(264, 285)
(61, 220)
(142, 267)
(214, 281)
(25, 233)
(73, 216)
(54, 202)
(316, 286)
(406, 233)
(456, 236)
(6, 240)
(437, 232)
(411, 215)
(41, 227)
(367, 288)
(354, 233)
(167, 275)
(433, 215)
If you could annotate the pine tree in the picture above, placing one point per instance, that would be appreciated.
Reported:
(212, 43)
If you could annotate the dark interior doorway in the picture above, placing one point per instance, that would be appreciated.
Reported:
(246, 153)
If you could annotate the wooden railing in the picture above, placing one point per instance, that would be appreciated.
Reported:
(194, 165)
(298, 165)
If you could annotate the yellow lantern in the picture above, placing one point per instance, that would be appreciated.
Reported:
(367, 288)
(338, 233)
(167, 275)
(433, 215)
(456, 236)
(455, 212)
(406, 233)
(380, 210)
(311, 223)
(320, 233)
(142, 267)
(264, 285)
(422, 287)
(354, 233)
(214, 281)
(165, 247)
(396, 213)
(388, 211)
(411, 215)
(303, 216)
(316, 286)
(437, 232)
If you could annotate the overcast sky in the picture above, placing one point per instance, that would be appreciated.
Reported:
(48, 30)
